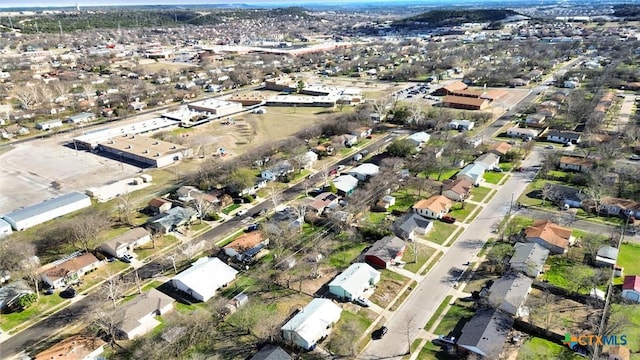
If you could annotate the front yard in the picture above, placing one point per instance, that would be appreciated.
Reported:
(493, 177)
(35, 311)
(461, 213)
(451, 321)
(389, 286)
(440, 232)
(414, 263)
(479, 193)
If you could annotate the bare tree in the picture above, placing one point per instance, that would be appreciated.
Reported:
(86, 228)
(125, 208)
(112, 288)
(27, 96)
(202, 207)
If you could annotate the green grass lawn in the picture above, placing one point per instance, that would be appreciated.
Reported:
(345, 254)
(437, 257)
(230, 208)
(557, 174)
(564, 273)
(460, 213)
(35, 311)
(628, 259)
(409, 256)
(434, 352)
(404, 200)
(162, 242)
(438, 312)
(630, 315)
(493, 177)
(541, 349)
(375, 217)
(479, 193)
(447, 174)
(508, 166)
(440, 232)
(403, 296)
(104, 272)
(453, 316)
(347, 331)
(199, 227)
(537, 184)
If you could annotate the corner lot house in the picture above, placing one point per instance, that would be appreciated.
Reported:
(204, 277)
(385, 252)
(354, 281)
(407, 226)
(69, 270)
(434, 207)
(313, 323)
(486, 333)
(529, 258)
(553, 237)
(631, 288)
(47, 210)
(126, 242)
(138, 316)
(76, 347)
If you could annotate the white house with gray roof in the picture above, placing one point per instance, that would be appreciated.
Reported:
(312, 323)
(354, 281)
(509, 292)
(529, 258)
(486, 333)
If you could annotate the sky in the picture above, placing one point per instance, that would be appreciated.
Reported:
(71, 3)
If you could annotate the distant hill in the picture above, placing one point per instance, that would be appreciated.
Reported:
(439, 18)
(629, 12)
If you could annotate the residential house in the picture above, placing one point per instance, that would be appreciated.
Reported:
(553, 237)
(244, 243)
(618, 352)
(486, 333)
(619, 207)
(188, 194)
(524, 133)
(631, 288)
(548, 112)
(11, 292)
(419, 139)
(350, 140)
(281, 169)
(49, 125)
(536, 120)
(75, 347)
(204, 277)
(159, 205)
(126, 242)
(575, 163)
(138, 316)
(69, 270)
(271, 352)
(407, 226)
(354, 281)
(501, 148)
(607, 256)
(564, 137)
(172, 220)
(461, 125)
(509, 293)
(346, 184)
(81, 118)
(457, 190)
(321, 202)
(473, 173)
(385, 252)
(311, 324)
(434, 207)
(570, 84)
(364, 171)
(307, 159)
(362, 132)
(566, 196)
(529, 259)
(325, 149)
(258, 184)
(488, 161)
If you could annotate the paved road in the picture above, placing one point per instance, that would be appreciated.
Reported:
(82, 307)
(418, 308)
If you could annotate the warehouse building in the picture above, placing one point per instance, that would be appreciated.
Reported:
(47, 210)
(216, 107)
(298, 100)
(145, 150)
(91, 139)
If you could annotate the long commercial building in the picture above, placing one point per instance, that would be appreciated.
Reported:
(216, 107)
(146, 150)
(91, 139)
(47, 210)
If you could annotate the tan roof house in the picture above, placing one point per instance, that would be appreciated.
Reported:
(457, 190)
(138, 316)
(126, 242)
(575, 163)
(62, 273)
(434, 207)
(552, 237)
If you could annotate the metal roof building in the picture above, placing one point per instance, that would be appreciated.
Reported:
(47, 210)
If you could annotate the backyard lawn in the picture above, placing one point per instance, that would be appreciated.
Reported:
(404, 200)
(440, 232)
(415, 263)
(567, 274)
(628, 259)
(448, 174)
(479, 193)
(347, 252)
(541, 349)
(630, 315)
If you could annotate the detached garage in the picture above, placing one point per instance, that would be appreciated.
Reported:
(47, 210)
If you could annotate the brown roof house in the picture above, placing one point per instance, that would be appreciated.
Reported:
(501, 148)
(552, 237)
(451, 88)
(245, 243)
(159, 205)
(464, 102)
(69, 270)
(76, 347)
(575, 163)
(138, 316)
(457, 190)
(434, 207)
(120, 245)
(385, 252)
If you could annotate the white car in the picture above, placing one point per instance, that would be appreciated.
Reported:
(241, 212)
(634, 157)
(362, 301)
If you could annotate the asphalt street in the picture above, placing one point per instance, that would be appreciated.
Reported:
(420, 305)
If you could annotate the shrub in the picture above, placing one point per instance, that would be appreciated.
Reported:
(26, 300)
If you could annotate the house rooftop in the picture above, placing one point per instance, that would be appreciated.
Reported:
(486, 333)
(72, 265)
(354, 276)
(271, 352)
(509, 292)
(386, 248)
(576, 161)
(528, 256)
(127, 238)
(246, 241)
(436, 203)
(608, 252)
(550, 232)
(459, 186)
(631, 282)
(128, 318)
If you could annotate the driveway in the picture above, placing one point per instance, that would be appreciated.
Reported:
(415, 312)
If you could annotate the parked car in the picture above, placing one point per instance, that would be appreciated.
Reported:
(253, 227)
(448, 219)
(362, 301)
(126, 258)
(49, 291)
(634, 157)
(241, 212)
(443, 340)
(340, 168)
(379, 333)
(68, 293)
(549, 147)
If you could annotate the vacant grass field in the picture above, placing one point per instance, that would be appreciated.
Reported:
(345, 254)
(440, 232)
(630, 315)
(628, 259)
(447, 174)
(414, 263)
(404, 200)
(565, 273)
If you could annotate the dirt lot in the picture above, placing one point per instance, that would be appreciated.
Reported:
(561, 315)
